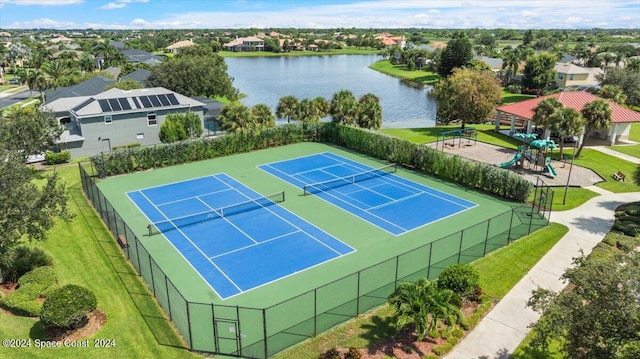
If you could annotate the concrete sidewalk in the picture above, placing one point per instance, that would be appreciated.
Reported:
(500, 332)
(615, 153)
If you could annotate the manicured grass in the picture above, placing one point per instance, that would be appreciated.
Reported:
(576, 196)
(634, 132)
(346, 51)
(633, 150)
(508, 97)
(499, 272)
(486, 133)
(524, 351)
(424, 77)
(85, 254)
(605, 165)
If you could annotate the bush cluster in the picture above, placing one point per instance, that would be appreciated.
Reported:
(333, 353)
(128, 145)
(21, 259)
(54, 158)
(462, 279)
(67, 306)
(31, 286)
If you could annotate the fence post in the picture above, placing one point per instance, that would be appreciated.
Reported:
(510, 226)
(188, 322)
(238, 331)
(153, 282)
(115, 221)
(429, 263)
(216, 342)
(264, 331)
(138, 257)
(315, 312)
(460, 247)
(395, 282)
(166, 285)
(486, 238)
(358, 296)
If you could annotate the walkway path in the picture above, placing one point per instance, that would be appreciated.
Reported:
(507, 324)
(615, 153)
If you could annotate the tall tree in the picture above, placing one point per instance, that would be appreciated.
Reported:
(195, 76)
(237, 118)
(26, 131)
(596, 115)
(322, 106)
(539, 71)
(287, 108)
(263, 116)
(542, 113)
(627, 80)
(307, 112)
(468, 96)
(344, 108)
(458, 53)
(510, 63)
(566, 121)
(369, 112)
(58, 73)
(614, 93)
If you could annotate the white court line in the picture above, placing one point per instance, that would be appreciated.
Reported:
(196, 197)
(226, 220)
(396, 201)
(315, 169)
(255, 244)
(193, 244)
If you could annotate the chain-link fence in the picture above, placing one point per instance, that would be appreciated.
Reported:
(263, 332)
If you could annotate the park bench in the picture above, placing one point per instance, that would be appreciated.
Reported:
(122, 241)
(619, 176)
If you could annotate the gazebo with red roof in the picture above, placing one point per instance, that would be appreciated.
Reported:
(621, 120)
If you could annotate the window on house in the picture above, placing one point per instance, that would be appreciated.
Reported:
(560, 76)
(107, 119)
(139, 136)
(570, 77)
(151, 119)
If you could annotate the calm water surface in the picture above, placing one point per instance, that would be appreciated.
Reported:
(267, 79)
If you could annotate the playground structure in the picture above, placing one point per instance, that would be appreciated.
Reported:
(539, 159)
(449, 137)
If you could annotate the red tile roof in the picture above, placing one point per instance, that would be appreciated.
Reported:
(575, 100)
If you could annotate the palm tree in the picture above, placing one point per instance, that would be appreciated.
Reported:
(596, 115)
(57, 72)
(263, 116)
(287, 108)
(544, 110)
(510, 63)
(565, 121)
(322, 106)
(633, 65)
(422, 303)
(37, 80)
(86, 62)
(614, 93)
(307, 112)
(369, 112)
(236, 118)
(344, 107)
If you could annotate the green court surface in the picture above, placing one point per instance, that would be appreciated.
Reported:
(312, 310)
(373, 245)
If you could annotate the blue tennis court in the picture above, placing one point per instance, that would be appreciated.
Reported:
(233, 237)
(390, 202)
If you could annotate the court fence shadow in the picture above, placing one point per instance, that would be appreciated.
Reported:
(262, 332)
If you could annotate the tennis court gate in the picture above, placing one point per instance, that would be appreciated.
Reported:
(262, 332)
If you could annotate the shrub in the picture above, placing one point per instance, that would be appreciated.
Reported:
(632, 209)
(442, 349)
(332, 353)
(463, 279)
(128, 145)
(353, 353)
(22, 259)
(630, 228)
(68, 306)
(53, 158)
(513, 89)
(23, 300)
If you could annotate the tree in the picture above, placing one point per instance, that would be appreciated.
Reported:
(322, 106)
(86, 62)
(468, 95)
(627, 80)
(458, 53)
(422, 304)
(539, 71)
(172, 131)
(236, 118)
(128, 84)
(598, 315)
(195, 75)
(26, 131)
(614, 93)
(527, 38)
(58, 73)
(510, 63)
(37, 80)
(369, 112)
(287, 108)
(565, 121)
(544, 110)
(596, 115)
(344, 108)
(263, 116)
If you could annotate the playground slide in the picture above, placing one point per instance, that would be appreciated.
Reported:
(550, 171)
(515, 159)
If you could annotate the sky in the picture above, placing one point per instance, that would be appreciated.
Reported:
(217, 14)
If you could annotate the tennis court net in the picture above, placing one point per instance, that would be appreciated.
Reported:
(242, 207)
(323, 186)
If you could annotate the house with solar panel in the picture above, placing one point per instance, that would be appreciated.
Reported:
(115, 117)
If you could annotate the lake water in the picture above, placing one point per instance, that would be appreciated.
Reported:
(267, 79)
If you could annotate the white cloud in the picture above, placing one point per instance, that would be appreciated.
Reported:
(41, 2)
(113, 5)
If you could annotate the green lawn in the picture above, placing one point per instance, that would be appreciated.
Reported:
(576, 196)
(85, 254)
(424, 77)
(345, 51)
(499, 272)
(508, 97)
(634, 133)
(605, 165)
(633, 150)
(486, 133)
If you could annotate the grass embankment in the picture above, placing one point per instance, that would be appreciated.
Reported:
(86, 254)
(400, 71)
(605, 165)
(499, 272)
(633, 150)
(345, 51)
(486, 133)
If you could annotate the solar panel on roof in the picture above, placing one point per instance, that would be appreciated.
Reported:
(115, 105)
(85, 103)
(104, 105)
(155, 101)
(135, 101)
(172, 99)
(145, 101)
(163, 99)
(124, 103)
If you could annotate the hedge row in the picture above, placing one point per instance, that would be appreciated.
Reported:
(32, 285)
(54, 158)
(451, 168)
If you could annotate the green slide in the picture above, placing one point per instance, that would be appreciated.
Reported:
(550, 171)
(515, 159)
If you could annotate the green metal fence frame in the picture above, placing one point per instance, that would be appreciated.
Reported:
(320, 308)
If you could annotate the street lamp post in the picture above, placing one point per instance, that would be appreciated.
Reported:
(566, 189)
(106, 139)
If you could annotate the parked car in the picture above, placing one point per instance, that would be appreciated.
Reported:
(14, 81)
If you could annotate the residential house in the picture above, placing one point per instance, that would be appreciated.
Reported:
(494, 62)
(211, 110)
(523, 111)
(177, 46)
(136, 56)
(140, 76)
(389, 40)
(251, 43)
(117, 118)
(571, 75)
(93, 86)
